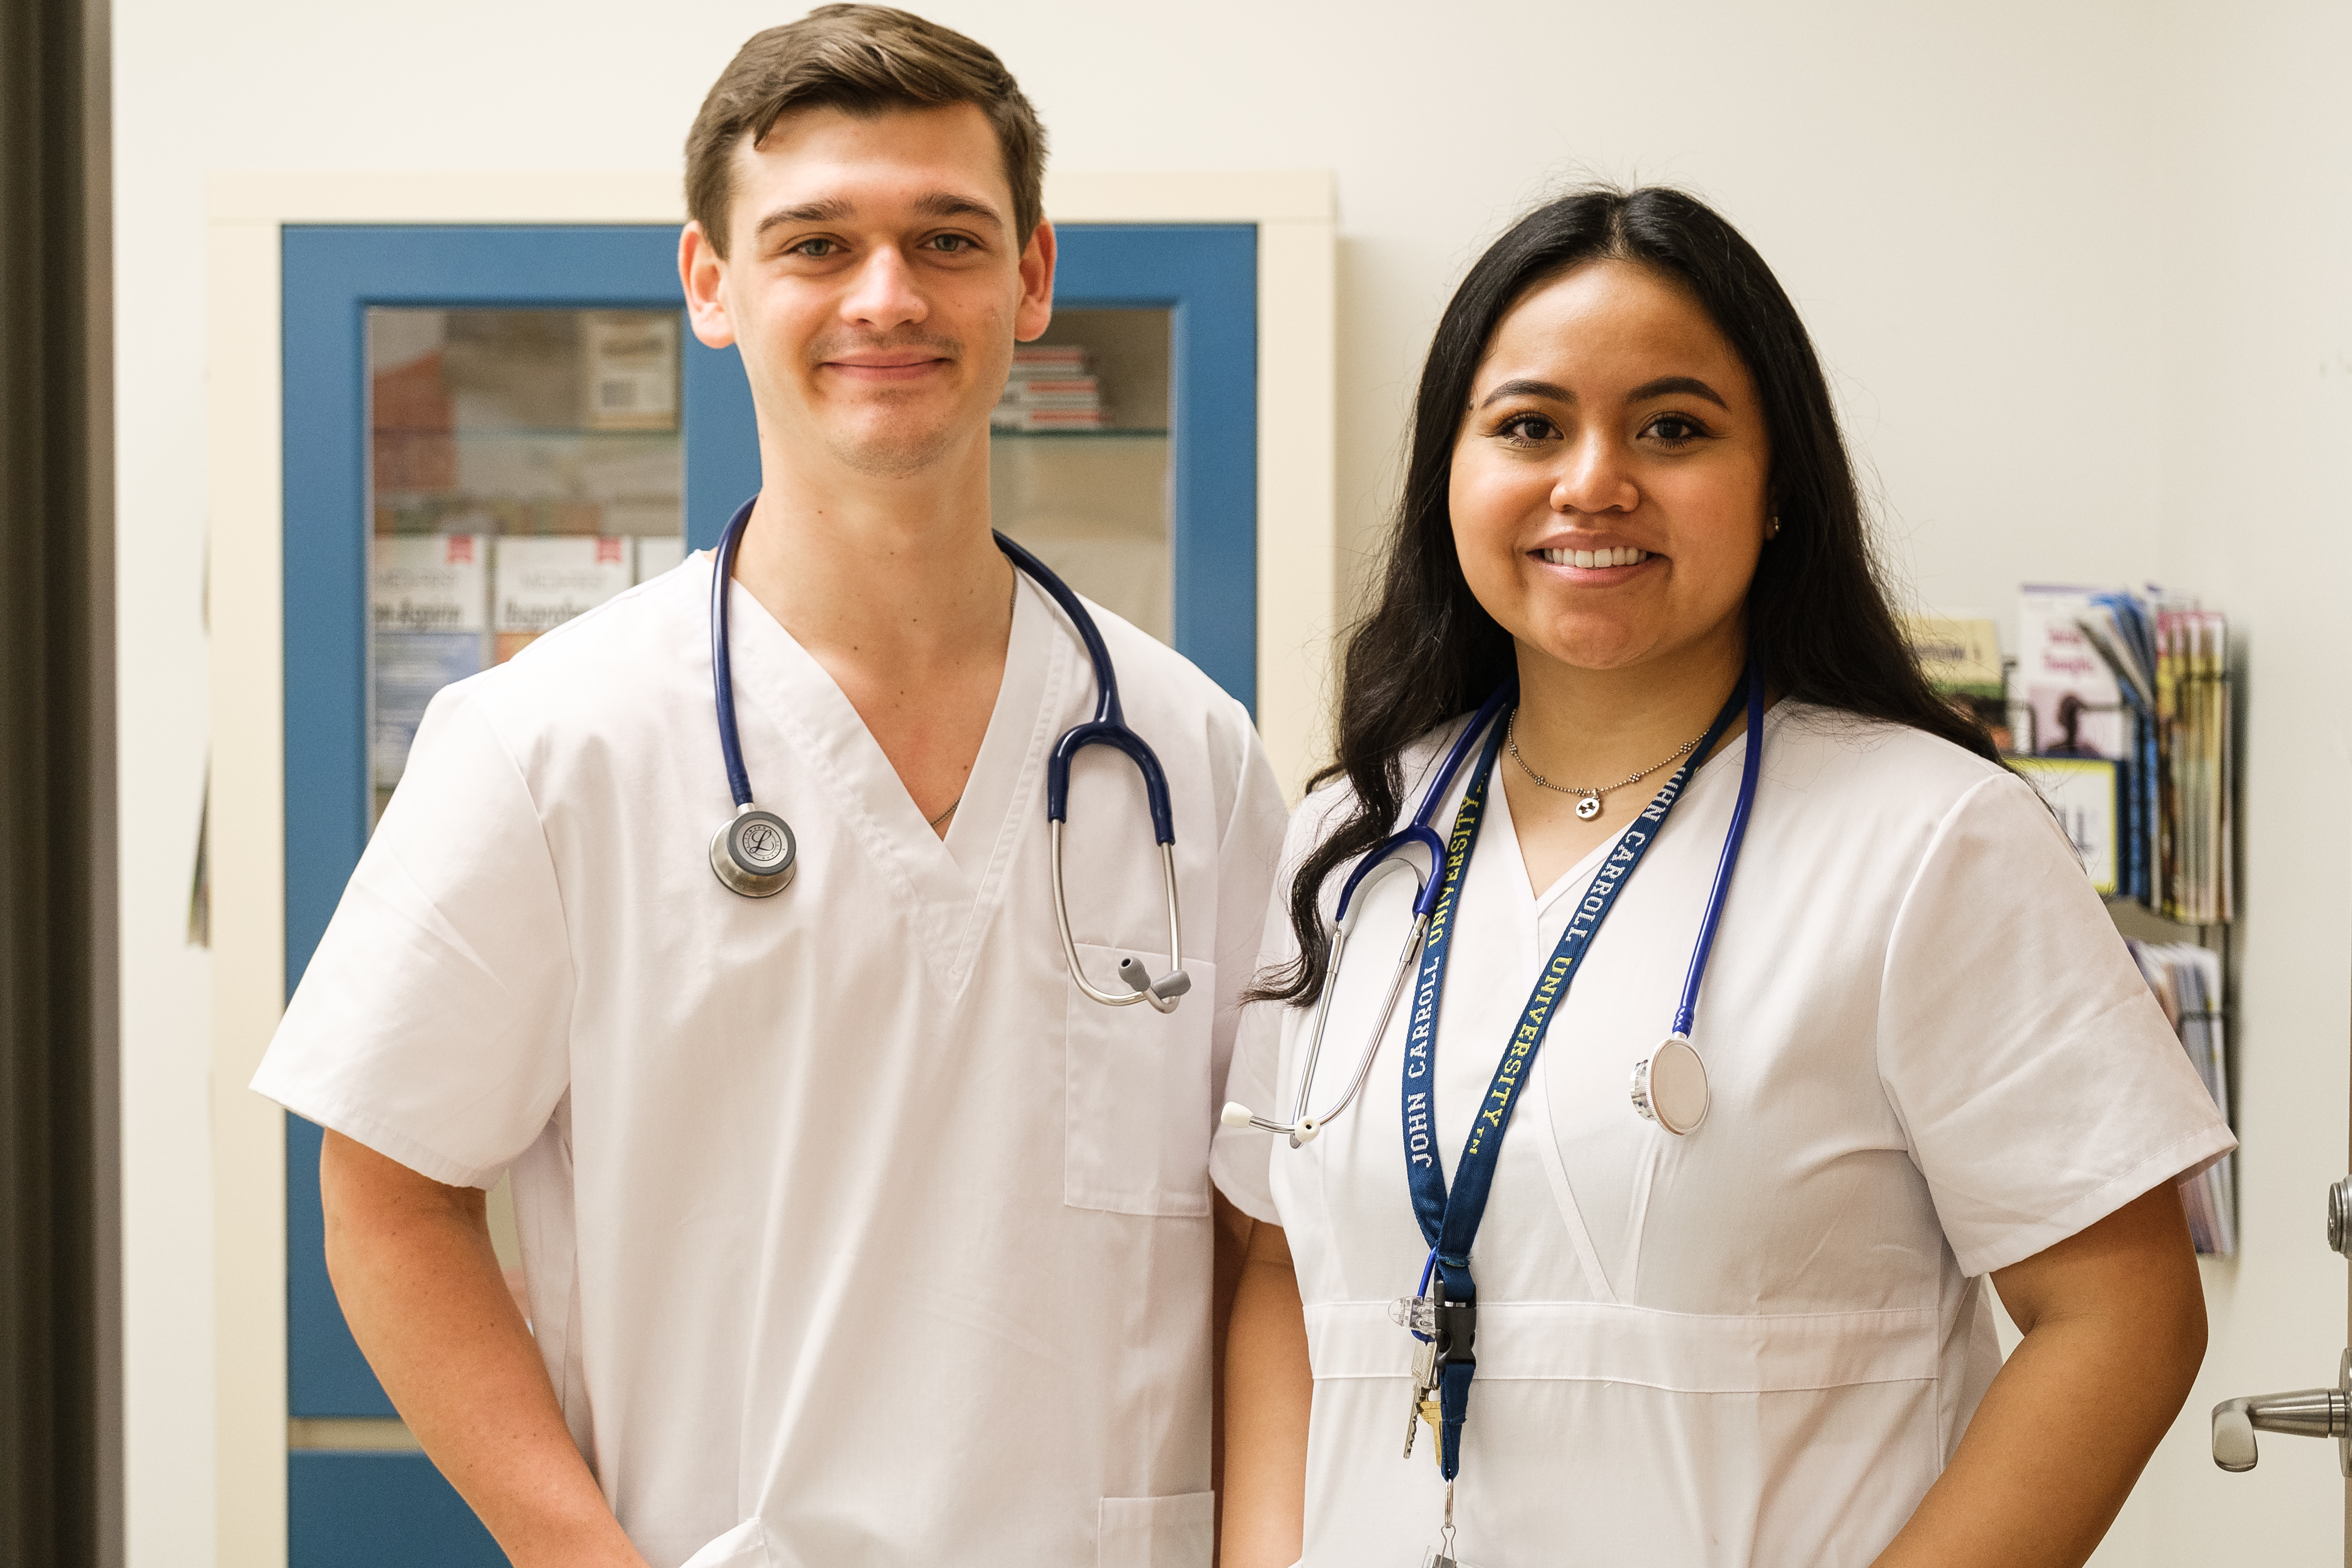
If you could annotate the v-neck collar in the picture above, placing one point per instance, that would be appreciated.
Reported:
(950, 887)
(1530, 904)
(1533, 905)
(978, 830)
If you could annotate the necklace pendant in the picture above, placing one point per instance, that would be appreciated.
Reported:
(1589, 807)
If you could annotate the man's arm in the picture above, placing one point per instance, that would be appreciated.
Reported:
(411, 1264)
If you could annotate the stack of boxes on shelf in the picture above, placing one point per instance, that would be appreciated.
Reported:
(526, 466)
(2120, 713)
(1050, 388)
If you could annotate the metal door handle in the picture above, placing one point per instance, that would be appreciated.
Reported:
(2307, 1413)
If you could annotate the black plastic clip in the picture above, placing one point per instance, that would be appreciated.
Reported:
(1458, 1329)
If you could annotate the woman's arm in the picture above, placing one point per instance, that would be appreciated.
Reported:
(1268, 1391)
(413, 1267)
(2114, 1320)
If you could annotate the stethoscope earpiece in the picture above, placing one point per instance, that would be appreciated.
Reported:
(754, 853)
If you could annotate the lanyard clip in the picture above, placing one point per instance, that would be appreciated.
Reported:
(1457, 1332)
(1456, 1328)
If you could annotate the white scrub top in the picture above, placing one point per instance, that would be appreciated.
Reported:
(854, 1232)
(1931, 1057)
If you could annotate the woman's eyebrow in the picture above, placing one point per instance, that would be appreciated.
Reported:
(1665, 385)
(1523, 387)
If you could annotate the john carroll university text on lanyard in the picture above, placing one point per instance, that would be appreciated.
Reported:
(1444, 1317)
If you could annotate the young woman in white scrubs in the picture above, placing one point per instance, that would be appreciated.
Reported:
(1763, 1341)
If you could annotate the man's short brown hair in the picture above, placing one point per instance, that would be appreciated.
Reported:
(863, 61)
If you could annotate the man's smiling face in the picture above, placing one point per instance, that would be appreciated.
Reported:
(875, 283)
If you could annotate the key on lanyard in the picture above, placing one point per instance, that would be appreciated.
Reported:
(1419, 1314)
(1449, 1219)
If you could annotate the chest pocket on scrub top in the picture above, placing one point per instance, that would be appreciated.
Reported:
(1137, 1117)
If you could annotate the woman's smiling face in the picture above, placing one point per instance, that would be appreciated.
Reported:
(1609, 479)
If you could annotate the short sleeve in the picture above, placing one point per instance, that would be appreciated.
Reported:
(1240, 1158)
(1245, 867)
(431, 1023)
(2037, 1081)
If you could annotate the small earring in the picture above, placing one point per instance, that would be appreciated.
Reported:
(1772, 529)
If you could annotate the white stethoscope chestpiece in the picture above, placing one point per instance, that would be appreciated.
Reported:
(1670, 1086)
(753, 853)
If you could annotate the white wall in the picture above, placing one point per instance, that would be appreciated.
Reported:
(2053, 256)
(2252, 226)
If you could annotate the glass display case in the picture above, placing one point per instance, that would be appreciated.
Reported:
(523, 466)
(1078, 460)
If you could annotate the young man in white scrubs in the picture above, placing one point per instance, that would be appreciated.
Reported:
(854, 1233)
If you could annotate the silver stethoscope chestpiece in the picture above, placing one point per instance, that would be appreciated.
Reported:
(1670, 1086)
(754, 854)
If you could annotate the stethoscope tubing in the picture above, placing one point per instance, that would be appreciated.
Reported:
(1419, 832)
(722, 663)
(1109, 727)
(1302, 1128)
(1687, 1012)
(1386, 856)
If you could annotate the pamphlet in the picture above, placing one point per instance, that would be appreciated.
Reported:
(2078, 708)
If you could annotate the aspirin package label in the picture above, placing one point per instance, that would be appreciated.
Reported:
(428, 583)
(428, 598)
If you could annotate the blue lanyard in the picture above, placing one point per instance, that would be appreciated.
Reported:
(1450, 1222)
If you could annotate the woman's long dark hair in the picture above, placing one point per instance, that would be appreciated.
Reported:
(1819, 625)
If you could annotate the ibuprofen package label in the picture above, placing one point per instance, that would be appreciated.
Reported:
(542, 583)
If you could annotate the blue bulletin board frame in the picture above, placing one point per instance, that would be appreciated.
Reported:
(1205, 274)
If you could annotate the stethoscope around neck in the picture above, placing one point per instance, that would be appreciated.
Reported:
(1669, 1086)
(754, 852)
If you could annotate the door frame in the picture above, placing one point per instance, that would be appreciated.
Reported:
(1297, 547)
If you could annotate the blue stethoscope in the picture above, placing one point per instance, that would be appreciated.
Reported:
(1669, 1085)
(754, 853)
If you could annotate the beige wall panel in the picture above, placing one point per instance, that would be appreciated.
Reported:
(1297, 561)
(249, 914)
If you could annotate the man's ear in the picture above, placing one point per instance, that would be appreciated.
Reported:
(1036, 311)
(702, 272)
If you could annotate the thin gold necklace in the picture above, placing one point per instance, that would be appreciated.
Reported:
(1589, 806)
